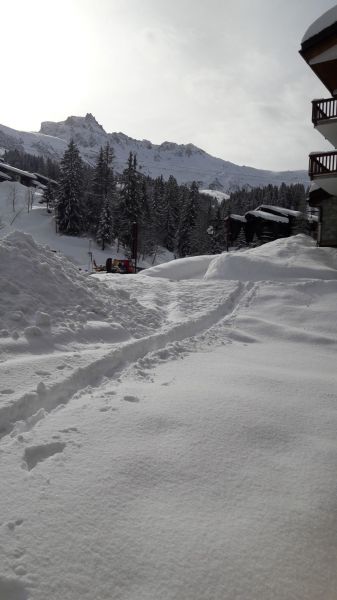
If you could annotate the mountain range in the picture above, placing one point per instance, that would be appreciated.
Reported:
(185, 162)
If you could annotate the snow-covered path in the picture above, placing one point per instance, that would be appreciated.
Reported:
(189, 453)
(183, 311)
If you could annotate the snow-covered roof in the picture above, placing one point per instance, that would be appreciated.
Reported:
(5, 177)
(313, 187)
(44, 178)
(267, 216)
(238, 217)
(39, 185)
(281, 210)
(5, 167)
(326, 20)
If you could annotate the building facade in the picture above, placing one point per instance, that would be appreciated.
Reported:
(319, 50)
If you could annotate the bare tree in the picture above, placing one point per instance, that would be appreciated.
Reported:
(29, 199)
(12, 196)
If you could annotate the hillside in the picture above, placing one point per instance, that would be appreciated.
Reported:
(185, 162)
(41, 226)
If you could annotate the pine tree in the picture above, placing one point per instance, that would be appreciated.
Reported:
(49, 196)
(159, 211)
(102, 186)
(103, 179)
(219, 234)
(184, 238)
(129, 205)
(147, 243)
(172, 202)
(70, 192)
(105, 229)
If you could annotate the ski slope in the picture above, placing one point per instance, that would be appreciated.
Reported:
(171, 434)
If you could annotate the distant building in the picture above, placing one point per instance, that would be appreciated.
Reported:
(10, 173)
(319, 50)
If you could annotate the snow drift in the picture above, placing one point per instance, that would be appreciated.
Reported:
(41, 289)
(192, 267)
(296, 257)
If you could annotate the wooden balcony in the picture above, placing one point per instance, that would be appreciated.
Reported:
(324, 110)
(323, 170)
(322, 163)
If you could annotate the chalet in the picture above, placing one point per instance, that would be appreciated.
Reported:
(268, 222)
(15, 174)
(319, 50)
(234, 225)
(4, 177)
(10, 173)
(44, 181)
(266, 225)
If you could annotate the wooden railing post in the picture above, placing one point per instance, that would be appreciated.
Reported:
(324, 109)
(323, 163)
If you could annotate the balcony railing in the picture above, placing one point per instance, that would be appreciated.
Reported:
(322, 163)
(323, 110)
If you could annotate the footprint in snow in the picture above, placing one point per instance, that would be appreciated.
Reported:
(35, 454)
(19, 553)
(13, 524)
(20, 570)
(69, 430)
(131, 399)
(166, 383)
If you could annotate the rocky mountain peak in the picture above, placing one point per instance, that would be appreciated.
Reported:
(88, 123)
(186, 162)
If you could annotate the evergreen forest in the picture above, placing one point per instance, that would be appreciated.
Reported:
(96, 201)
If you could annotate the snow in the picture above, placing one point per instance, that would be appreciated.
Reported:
(192, 267)
(238, 217)
(6, 167)
(323, 22)
(218, 196)
(185, 162)
(172, 434)
(279, 209)
(295, 257)
(261, 214)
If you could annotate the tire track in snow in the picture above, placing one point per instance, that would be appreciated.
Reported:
(46, 400)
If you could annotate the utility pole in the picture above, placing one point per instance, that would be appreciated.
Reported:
(135, 243)
(90, 257)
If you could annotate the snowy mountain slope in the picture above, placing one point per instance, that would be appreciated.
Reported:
(168, 437)
(216, 195)
(185, 162)
(33, 143)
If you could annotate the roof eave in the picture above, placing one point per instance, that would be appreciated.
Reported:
(318, 38)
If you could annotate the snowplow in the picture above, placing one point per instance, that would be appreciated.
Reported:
(115, 265)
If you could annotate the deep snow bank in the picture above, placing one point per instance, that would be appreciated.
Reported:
(45, 297)
(43, 292)
(296, 257)
(193, 267)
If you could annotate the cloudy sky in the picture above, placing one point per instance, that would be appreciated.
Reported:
(223, 74)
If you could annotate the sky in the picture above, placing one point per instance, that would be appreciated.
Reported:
(224, 75)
